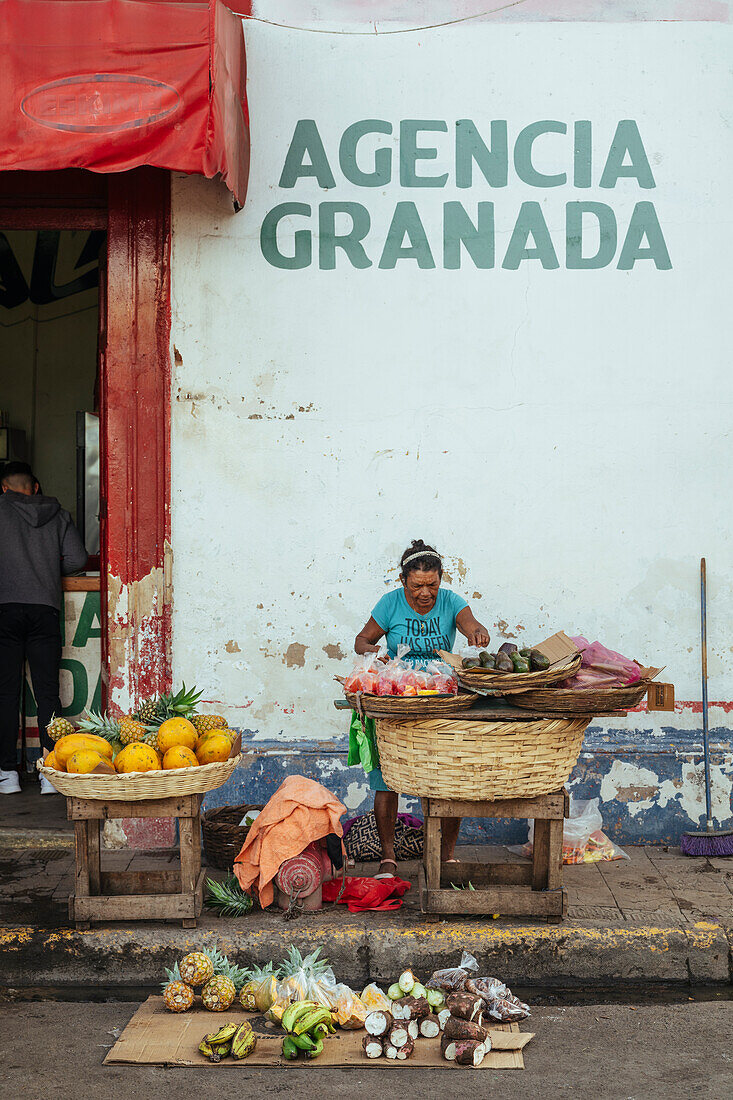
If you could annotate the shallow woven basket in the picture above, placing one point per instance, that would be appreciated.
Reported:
(411, 706)
(583, 701)
(135, 786)
(436, 758)
(223, 835)
(507, 683)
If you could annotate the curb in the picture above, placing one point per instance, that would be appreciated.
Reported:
(545, 956)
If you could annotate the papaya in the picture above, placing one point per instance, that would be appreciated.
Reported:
(73, 742)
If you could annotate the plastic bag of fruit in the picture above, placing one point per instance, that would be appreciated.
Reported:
(351, 1012)
(454, 977)
(375, 999)
(583, 839)
(307, 978)
(364, 675)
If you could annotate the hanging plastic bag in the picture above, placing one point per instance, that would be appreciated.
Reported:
(602, 668)
(444, 679)
(454, 977)
(583, 839)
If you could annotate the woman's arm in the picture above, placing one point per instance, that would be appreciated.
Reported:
(475, 633)
(368, 636)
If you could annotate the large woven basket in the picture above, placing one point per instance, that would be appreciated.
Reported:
(436, 758)
(507, 683)
(134, 786)
(410, 706)
(583, 701)
(223, 835)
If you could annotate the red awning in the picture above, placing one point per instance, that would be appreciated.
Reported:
(110, 85)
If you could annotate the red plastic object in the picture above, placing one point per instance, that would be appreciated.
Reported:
(367, 893)
(111, 85)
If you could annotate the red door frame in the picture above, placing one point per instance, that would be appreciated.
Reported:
(134, 208)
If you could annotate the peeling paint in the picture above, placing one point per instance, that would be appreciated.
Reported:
(232, 647)
(295, 655)
(137, 654)
(334, 652)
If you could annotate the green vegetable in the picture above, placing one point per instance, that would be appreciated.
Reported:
(525, 652)
(486, 660)
(435, 998)
(317, 1049)
(508, 647)
(418, 990)
(304, 1042)
(521, 664)
(290, 1051)
(394, 992)
(471, 662)
(538, 661)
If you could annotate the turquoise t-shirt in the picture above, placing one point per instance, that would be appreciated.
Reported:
(423, 633)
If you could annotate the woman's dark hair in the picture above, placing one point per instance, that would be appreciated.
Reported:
(428, 558)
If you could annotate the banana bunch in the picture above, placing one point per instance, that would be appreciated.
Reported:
(307, 1024)
(239, 1040)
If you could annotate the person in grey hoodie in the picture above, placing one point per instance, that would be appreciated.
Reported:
(38, 544)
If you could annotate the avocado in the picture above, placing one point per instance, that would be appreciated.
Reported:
(538, 661)
(486, 660)
(525, 652)
(508, 647)
(471, 662)
(521, 664)
(504, 662)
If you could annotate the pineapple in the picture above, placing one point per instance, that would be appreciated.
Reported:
(302, 976)
(58, 728)
(146, 712)
(260, 989)
(177, 996)
(103, 725)
(197, 968)
(227, 897)
(204, 722)
(218, 994)
(131, 730)
(153, 712)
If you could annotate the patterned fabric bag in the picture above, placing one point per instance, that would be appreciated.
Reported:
(361, 838)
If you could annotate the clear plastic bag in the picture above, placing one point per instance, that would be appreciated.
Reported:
(602, 668)
(375, 999)
(364, 675)
(454, 977)
(583, 839)
(351, 1012)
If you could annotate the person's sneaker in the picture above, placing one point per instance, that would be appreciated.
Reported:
(46, 787)
(9, 782)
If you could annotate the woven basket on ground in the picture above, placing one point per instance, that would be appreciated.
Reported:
(134, 786)
(583, 701)
(223, 835)
(507, 683)
(436, 758)
(410, 706)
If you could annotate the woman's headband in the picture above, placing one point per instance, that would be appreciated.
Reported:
(423, 554)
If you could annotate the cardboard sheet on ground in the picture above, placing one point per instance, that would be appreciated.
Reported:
(155, 1036)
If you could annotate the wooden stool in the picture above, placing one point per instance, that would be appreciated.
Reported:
(136, 895)
(511, 889)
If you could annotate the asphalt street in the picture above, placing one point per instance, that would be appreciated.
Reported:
(54, 1051)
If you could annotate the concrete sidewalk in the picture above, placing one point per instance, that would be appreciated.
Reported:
(658, 918)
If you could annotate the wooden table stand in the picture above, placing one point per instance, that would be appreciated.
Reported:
(136, 895)
(510, 889)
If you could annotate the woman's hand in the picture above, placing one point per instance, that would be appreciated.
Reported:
(476, 634)
(366, 640)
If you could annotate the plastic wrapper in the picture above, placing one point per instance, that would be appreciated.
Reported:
(601, 668)
(364, 675)
(400, 677)
(454, 977)
(375, 999)
(501, 1004)
(351, 1012)
(583, 839)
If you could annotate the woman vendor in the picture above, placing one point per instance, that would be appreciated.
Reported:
(423, 615)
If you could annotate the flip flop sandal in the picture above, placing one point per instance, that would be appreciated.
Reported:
(387, 874)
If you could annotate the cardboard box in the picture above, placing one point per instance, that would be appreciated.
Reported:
(660, 697)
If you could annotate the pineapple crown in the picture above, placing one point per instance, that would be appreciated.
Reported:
(312, 965)
(172, 975)
(228, 897)
(225, 968)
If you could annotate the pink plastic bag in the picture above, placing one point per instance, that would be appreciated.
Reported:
(602, 668)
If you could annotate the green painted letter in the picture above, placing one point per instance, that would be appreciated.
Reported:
(410, 153)
(302, 237)
(627, 139)
(582, 154)
(329, 240)
(530, 221)
(306, 139)
(523, 154)
(470, 147)
(458, 229)
(382, 173)
(406, 220)
(644, 223)
(574, 258)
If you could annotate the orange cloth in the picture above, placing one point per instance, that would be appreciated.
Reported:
(299, 812)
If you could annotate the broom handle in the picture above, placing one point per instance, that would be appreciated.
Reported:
(704, 649)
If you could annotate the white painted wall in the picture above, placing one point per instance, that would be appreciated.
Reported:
(562, 436)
